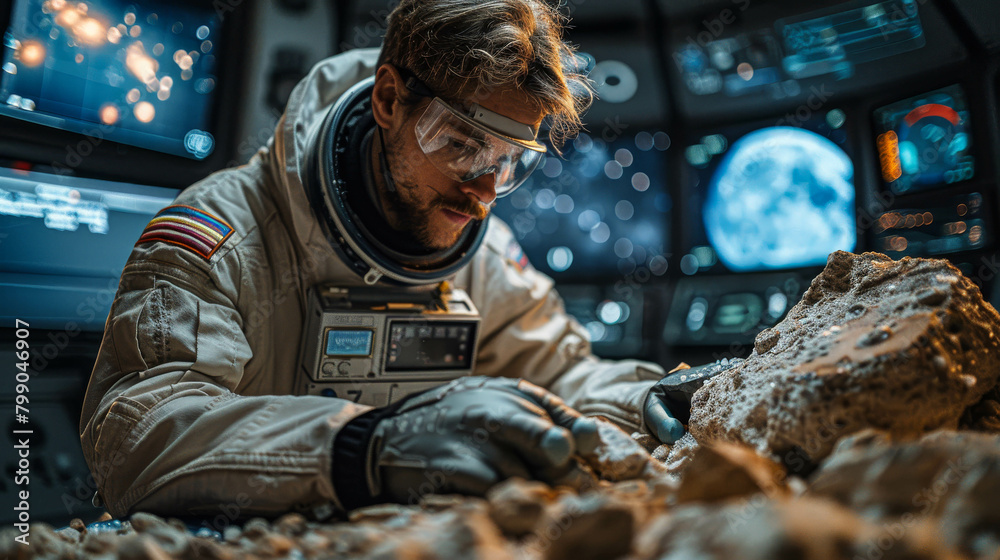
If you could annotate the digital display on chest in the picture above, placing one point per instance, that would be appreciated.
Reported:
(375, 346)
(349, 342)
(421, 345)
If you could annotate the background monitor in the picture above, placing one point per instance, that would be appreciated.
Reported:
(770, 196)
(63, 244)
(142, 74)
(925, 141)
(598, 211)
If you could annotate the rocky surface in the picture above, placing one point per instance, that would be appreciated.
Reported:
(766, 472)
(951, 480)
(871, 499)
(902, 346)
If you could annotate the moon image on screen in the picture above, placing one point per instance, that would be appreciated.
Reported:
(781, 197)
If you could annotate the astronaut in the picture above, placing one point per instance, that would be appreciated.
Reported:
(381, 172)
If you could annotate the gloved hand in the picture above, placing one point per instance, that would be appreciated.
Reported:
(668, 403)
(658, 418)
(462, 437)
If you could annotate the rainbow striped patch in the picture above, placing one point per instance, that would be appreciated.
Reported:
(189, 228)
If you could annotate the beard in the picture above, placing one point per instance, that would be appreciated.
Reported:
(420, 216)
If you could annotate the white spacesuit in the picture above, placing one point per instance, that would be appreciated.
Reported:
(191, 408)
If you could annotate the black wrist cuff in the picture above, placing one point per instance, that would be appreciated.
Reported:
(350, 458)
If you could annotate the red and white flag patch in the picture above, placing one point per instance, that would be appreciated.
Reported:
(515, 256)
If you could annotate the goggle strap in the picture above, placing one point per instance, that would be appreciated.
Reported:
(416, 86)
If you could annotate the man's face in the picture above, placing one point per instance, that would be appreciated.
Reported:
(432, 207)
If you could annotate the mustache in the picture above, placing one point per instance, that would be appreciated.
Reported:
(477, 210)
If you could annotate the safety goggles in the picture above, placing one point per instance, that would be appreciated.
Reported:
(466, 145)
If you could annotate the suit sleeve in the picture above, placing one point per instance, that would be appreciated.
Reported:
(163, 428)
(526, 332)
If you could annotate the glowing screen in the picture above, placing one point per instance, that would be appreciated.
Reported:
(114, 70)
(925, 141)
(601, 209)
(63, 244)
(777, 197)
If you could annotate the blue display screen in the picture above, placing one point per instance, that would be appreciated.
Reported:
(137, 73)
(348, 343)
(926, 141)
(601, 209)
(827, 42)
(63, 243)
(835, 39)
(770, 197)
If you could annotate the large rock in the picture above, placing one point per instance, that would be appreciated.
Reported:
(949, 478)
(902, 346)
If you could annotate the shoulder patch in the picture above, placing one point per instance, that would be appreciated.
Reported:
(190, 228)
(515, 256)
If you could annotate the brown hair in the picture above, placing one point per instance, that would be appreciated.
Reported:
(471, 47)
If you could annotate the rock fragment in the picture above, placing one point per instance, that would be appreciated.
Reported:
(619, 457)
(722, 471)
(517, 505)
(590, 527)
(140, 547)
(984, 416)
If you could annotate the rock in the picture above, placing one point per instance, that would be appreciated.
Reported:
(142, 521)
(256, 528)
(181, 526)
(273, 545)
(902, 346)
(619, 457)
(232, 534)
(984, 416)
(11, 549)
(206, 549)
(441, 502)
(140, 547)
(949, 478)
(680, 454)
(721, 471)
(970, 519)
(95, 544)
(291, 524)
(517, 505)
(647, 441)
(591, 527)
(43, 542)
(463, 532)
(69, 535)
(172, 541)
(382, 512)
(661, 453)
(797, 529)
(78, 524)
